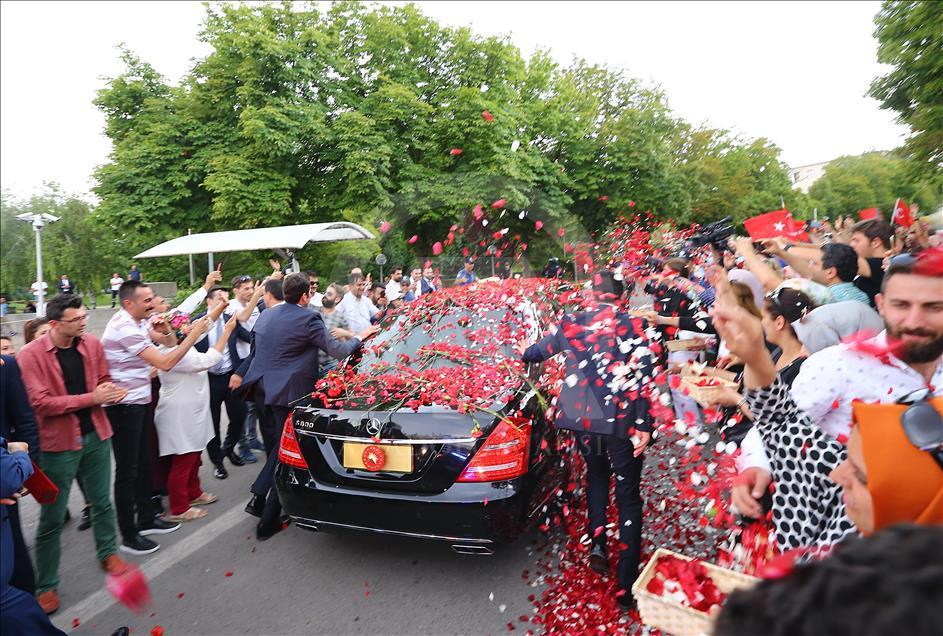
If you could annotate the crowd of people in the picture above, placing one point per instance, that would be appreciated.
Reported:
(836, 346)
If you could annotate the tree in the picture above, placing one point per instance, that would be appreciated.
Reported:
(871, 180)
(73, 245)
(910, 37)
(378, 113)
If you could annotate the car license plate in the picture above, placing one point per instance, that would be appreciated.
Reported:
(387, 458)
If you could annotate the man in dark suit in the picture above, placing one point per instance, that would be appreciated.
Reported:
(220, 392)
(283, 363)
(603, 399)
(271, 297)
(17, 424)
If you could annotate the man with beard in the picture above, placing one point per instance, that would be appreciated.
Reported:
(334, 323)
(904, 358)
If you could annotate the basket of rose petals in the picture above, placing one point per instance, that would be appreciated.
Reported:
(675, 593)
(702, 387)
(704, 371)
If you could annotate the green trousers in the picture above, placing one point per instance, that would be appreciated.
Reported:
(93, 465)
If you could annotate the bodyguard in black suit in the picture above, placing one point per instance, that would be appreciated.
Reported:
(607, 362)
(220, 393)
(283, 363)
(17, 424)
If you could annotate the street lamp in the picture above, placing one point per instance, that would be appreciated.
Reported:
(381, 261)
(39, 220)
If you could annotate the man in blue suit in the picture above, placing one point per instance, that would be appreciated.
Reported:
(19, 612)
(602, 399)
(283, 364)
(17, 424)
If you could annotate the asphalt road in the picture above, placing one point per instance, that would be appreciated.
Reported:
(213, 577)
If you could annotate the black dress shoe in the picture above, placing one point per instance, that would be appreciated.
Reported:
(220, 472)
(255, 506)
(86, 521)
(626, 601)
(265, 531)
(598, 562)
(121, 631)
(235, 459)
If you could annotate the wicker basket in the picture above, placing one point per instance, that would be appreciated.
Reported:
(671, 618)
(704, 395)
(709, 372)
(692, 344)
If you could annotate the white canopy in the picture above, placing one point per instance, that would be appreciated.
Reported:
(289, 237)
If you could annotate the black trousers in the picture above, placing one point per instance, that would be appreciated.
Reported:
(270, 431)
(264, 484)
(607, 455)
(132, 448)
(235, 409)
(23, 577)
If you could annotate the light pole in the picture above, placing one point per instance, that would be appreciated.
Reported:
(381, 261)
(38, 221)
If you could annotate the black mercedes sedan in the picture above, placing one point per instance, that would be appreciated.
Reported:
(437, 431)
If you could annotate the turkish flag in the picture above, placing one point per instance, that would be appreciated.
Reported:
(869, 213)
(773, 224)
(902, 215)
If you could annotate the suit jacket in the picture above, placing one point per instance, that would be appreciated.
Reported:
(587, 402)
(426, 286)
(17, 422)
(284, 356)
(239, 333)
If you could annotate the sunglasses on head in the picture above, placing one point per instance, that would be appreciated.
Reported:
(243, 279)
(923, 424)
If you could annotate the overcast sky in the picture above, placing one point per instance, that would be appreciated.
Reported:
(794, 72)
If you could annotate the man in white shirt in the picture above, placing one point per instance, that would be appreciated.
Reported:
(245, 293)
(356, 307)
(904, 358)
(416, 278)
(394, 285)
(314, 282)
(115, 283)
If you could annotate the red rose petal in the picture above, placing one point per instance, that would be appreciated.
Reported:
(488, 117)
(384, 227)
(157, 630)
(437, 248)
(455, 152)
(412, 239)
(229, 573)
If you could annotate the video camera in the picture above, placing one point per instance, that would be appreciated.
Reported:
(716, 234)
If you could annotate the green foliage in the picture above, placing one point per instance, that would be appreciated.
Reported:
(910, 36)
(301, 116)
(871, 180)
(73, 245)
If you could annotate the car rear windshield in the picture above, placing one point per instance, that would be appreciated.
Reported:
(446, 339)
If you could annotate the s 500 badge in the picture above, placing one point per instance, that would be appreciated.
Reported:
(304, 424)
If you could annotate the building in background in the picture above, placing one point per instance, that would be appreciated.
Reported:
(803, 177)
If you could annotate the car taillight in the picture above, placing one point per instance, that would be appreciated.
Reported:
(504, 454)
(288, 451)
